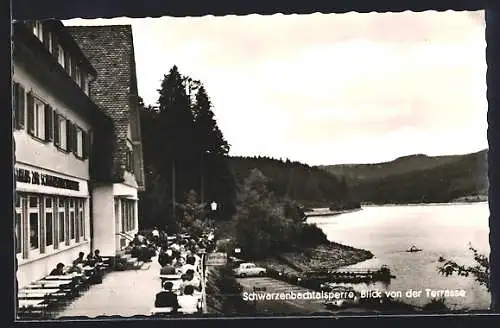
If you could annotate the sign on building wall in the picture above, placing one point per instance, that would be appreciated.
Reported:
(42, 179)
(216, 259)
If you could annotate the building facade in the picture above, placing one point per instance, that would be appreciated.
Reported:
(53, 122)
(110, 49)
(78, 161)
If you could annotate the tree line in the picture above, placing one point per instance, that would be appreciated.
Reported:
(185, 155)
(187, 165)
(308, 185)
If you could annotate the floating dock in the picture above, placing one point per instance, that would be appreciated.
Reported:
(314, 279)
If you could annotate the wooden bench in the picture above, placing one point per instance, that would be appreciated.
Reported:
(66, 285)
(56, 294)
(169, 311)
(37, 293)
(64, 277)
(32, 308)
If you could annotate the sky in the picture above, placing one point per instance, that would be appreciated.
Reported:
(327, 88)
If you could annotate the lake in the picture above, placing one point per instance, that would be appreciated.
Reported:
(439, 229)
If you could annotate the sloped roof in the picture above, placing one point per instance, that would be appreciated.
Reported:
(110, 49)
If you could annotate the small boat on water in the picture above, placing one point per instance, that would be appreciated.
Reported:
(413, 249)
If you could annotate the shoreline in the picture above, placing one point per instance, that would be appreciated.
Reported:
(427, 204)
(330, 212)
(329, 256)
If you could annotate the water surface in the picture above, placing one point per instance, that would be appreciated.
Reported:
(440, 230)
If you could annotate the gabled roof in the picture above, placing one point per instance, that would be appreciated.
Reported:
(110, 49)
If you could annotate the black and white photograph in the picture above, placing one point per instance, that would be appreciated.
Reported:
(279, 165)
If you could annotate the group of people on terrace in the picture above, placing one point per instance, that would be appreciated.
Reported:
(181, 273)
(90, 267)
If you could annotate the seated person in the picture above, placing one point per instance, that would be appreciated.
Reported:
(168, 269)
(78, 264)
(190, 264)
(91, 261)
(80, 259)
(136, 240)
(144, 253)
(165, 257)
(187, 301)
(97, 256)
(155, 233)
(179, 262)
(190, 279)
(58, 271)
(167, 298)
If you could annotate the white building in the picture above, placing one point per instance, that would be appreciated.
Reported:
(110, 49)
(76, 162)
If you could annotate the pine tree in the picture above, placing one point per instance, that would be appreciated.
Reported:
(216, 179)
(208, 133)
(177, 152)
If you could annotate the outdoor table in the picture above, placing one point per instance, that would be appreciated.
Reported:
(33, 295)
(52, 283)
(39, 286)
(40, 291)
(30, 289)
(31, 303)
(65, 277)
(161, 310)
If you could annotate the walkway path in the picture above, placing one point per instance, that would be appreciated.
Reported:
(124, 293)
(272, 286)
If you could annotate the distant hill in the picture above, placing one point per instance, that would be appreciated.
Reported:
(417, 178)
(366, 172)
(309, 185)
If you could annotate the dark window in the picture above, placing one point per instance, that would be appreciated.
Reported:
(34, 230)
(48, 228)
(61, 232)
(72, 225)
(82, 218)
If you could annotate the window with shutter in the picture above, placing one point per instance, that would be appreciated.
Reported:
(21, 106)
(39, 108)
(61, 58)
(55, 46)
(75, 140)
(73, 69)
(57, 129)
(46, 37)
(78, 149)
(15, 104)
(69, 136)
(31, 114)
(38, 30)
(89, 143)
(78, 76)
(85, 153)
(49, 123)
(67, 63)
(63, 134)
